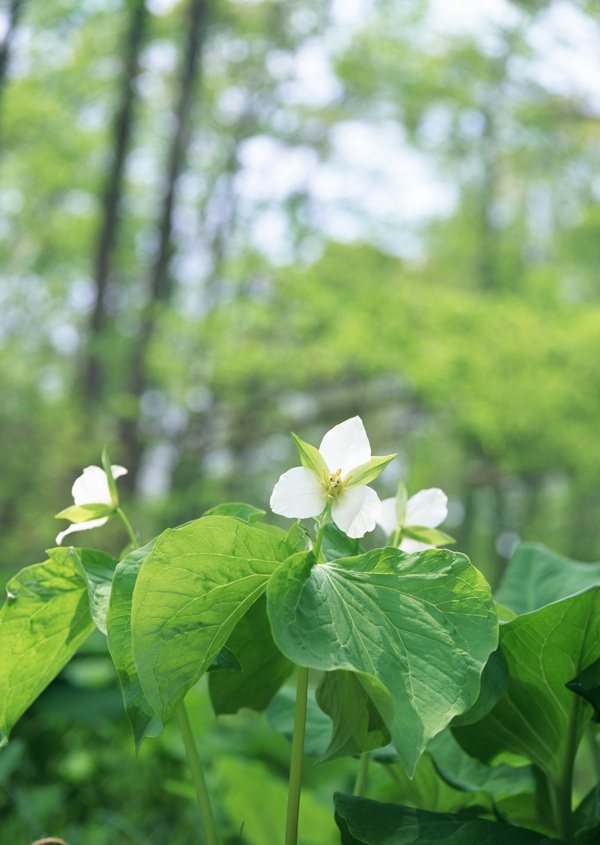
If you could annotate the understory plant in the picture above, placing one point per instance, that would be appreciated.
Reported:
(475, 706)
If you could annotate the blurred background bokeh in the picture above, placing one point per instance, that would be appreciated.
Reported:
(221, 220)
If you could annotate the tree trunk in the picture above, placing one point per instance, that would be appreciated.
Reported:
(14, 13)
(92, 375)
(159, 287)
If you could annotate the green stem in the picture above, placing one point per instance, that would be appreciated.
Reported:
(293, 807)
(562, 790)
(361, 775)
(128, 528)
(396, 538)
(210, 832)
(318, 541)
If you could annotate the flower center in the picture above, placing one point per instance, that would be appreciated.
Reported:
(333, 483)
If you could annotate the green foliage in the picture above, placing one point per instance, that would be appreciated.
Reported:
(413, 608)
(44, 620)
(191, 591)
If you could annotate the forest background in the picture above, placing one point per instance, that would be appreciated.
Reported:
(222, 220)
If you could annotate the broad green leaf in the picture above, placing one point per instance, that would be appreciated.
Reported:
(336, 544)
(423, 625)
(263, 667)
(98, 569)
(494, 680)
(310, 457)
(361, 710)
(142, 717)
(587, 684)
(536, 576)
(83, 513)
(240, 510)
(112, 487)
(298, 539)
(225, 659)
(538, 716)
(365, 822)
(462, 772)
(192, 590)
(431, 536)
(369, 471)
(281, 712)
(42, 624)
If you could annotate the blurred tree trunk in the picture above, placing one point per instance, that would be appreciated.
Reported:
(13, 15)
(159, 283)
(123, 123)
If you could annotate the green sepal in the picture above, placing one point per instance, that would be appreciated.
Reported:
(367, 472)
(587, 685)
(401, 500)
(112, 486)
(431, 536)
(85, 513)
(310, 457)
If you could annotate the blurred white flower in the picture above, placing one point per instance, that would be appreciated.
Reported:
(334, 476)
(426, 509)
(94, 504)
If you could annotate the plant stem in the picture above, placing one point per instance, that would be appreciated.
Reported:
(395, 538)
(128, 528)
(318, 541)
(562, 789)
(293, 807)
(195, 765)
(361, 775)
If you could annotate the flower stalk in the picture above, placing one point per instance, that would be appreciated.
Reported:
(293, 807)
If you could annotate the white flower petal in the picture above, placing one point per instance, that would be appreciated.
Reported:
(117, 471)
(428, 508)
(346, 446)
(91, 488)
(81, 526)
(412, 546)
(299, 494)
(388, 518)
(356, 510)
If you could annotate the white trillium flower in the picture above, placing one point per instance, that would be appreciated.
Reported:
(91, 488)
(335, 475)
(426, 509)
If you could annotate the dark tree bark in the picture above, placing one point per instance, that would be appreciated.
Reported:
(159, 286)
(14, 14)
(123, 124)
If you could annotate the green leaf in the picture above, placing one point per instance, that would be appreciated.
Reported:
(365, 822)
(538, 717)
(336, 544)
(225, 659)
(240, 510)
(263, 667)
(361, 710)
(536, 576)
(423, 625)
(42, 624)
(367, 472)
(143, 719)
(310, 457)
(460, 771)
(494, 680)
(98, 569)
(112, 486)
(587, 684)
(192, 590)
(83, 513)
(298, 539)
(431, 536)
(281, 712)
